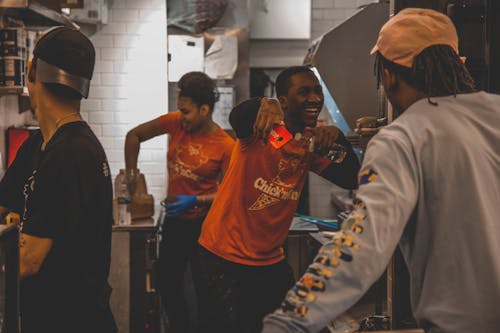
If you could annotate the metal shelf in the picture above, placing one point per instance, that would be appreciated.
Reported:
(17, 90)
(33, 13)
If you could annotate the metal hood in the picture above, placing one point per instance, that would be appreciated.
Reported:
(342, 58)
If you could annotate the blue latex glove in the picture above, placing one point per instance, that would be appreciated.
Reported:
(183, 203)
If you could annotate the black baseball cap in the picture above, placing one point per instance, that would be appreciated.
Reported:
(65, 56)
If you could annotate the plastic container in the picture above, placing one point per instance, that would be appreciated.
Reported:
(123, 204)
(123, 200)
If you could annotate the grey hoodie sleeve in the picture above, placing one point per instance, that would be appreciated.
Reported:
(356, 257)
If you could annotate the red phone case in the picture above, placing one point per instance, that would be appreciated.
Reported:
(279, 136)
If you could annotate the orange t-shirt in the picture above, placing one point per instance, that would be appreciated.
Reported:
(251, 214)
(194, 160)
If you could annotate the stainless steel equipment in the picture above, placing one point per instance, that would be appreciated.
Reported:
(342, 59)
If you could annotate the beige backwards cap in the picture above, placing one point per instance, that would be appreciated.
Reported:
(412, 30)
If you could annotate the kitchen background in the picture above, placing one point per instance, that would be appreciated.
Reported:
(130, 79)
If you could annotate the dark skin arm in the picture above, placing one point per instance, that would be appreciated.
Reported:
(32, 253)
(141, 133)
(135, 136)
(344, 174)
(133, 140)
(264, 115)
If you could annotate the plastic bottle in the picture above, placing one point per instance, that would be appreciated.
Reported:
(124, 200)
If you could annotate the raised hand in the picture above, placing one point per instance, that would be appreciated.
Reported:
(269, 115)
(324, 139)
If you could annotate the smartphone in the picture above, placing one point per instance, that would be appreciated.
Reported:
(279, 136)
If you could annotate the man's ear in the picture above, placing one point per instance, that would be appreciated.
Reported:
(31, 72)
(205, 110)
(389, 80)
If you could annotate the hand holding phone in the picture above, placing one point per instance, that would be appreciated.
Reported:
(279, 136)
(268, 116)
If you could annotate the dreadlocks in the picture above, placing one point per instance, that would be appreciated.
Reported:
(437, 71)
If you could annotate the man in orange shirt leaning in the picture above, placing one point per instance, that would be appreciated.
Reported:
(244, 274)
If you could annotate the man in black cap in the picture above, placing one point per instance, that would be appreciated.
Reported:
(60, 184)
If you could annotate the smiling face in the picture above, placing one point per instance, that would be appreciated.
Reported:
(193, 117)
(303, 101)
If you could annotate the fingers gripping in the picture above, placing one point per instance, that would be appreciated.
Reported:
(269, 115)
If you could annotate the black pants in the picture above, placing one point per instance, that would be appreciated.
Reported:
(235, 297)
(177, 249)
(64, 307)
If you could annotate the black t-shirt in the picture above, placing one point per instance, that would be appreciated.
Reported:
(67, 197)
(11, 185)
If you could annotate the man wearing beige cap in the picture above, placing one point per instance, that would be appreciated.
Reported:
(430, 182)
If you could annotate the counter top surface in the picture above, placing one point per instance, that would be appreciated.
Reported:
(299, 227)
(320, 238)
(141, 224)
(5, 228)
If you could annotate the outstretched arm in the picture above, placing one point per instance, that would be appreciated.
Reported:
(135, 136)
(347, 266)
(133, 140)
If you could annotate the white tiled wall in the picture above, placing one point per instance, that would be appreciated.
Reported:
(130, 82)
(326, 14)
(130, 85)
